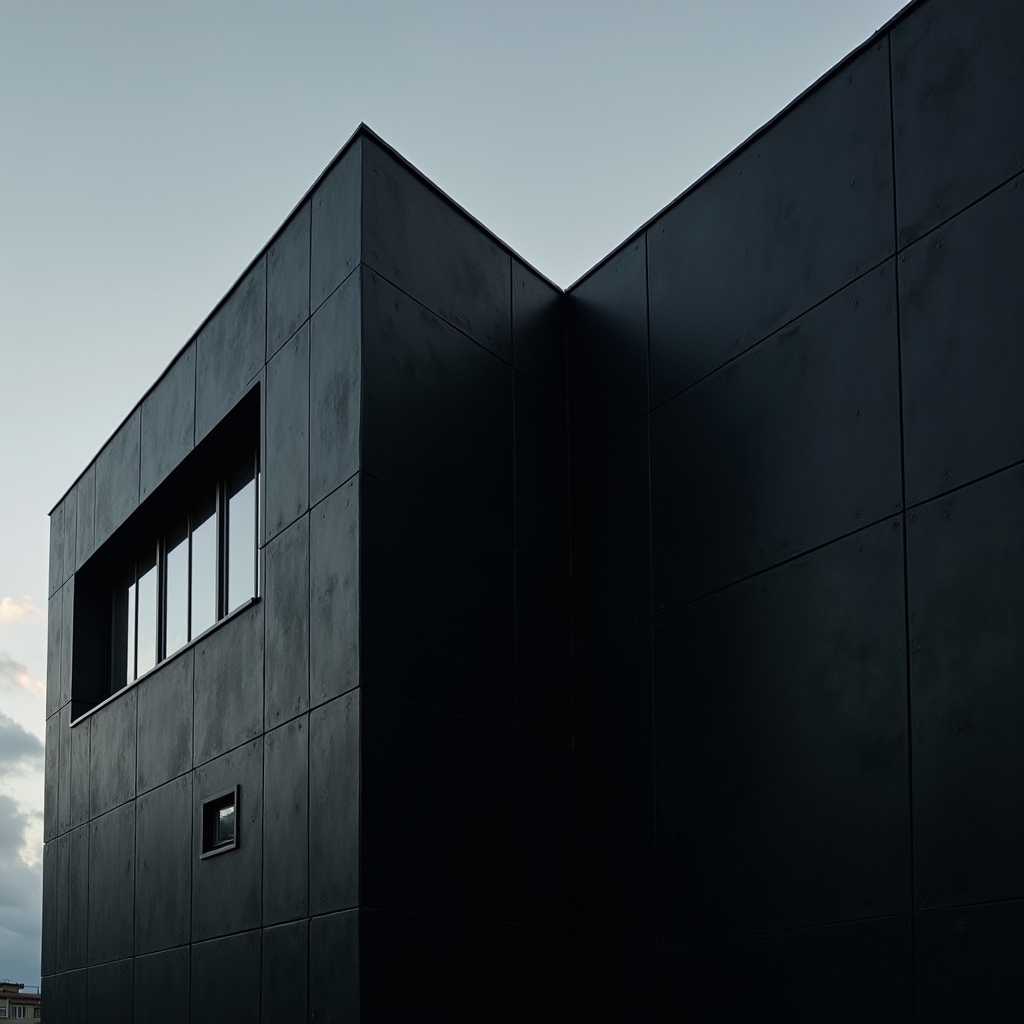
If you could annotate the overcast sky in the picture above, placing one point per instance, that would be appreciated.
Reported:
(148, 150)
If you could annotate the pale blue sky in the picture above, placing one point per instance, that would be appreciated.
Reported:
(149, 149)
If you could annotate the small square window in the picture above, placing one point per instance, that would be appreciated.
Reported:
(220, 824)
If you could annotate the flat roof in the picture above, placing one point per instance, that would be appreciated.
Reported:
(752, 138)
(364, 130)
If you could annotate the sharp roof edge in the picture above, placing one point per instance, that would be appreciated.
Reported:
(753, 137)
(363, 131)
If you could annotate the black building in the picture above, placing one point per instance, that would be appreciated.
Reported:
(432, 644)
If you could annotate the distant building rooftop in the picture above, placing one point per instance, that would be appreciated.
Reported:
(17, 1004)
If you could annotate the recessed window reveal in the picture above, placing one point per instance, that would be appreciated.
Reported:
(200, 569)
(220, 824)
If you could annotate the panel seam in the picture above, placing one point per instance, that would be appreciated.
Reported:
(899, 258)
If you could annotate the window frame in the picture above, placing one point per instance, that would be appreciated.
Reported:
(208, 847)
(191, 487)
(222, 565)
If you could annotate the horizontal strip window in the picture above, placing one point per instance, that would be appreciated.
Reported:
(185, 560)
(203, 567)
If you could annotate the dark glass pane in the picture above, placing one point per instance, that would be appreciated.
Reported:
(176, 590)
(241, 541)
(225, 824)
(204, 567)
(130, 673)
(146, 621)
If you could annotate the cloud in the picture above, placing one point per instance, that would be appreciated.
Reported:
(21, 887)
(15, 674)
(20, 609)
(18, 747)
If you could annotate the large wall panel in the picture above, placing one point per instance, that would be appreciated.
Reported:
(787, 221)
(611, 535)
(970, 964)
(162, 983)
(334, 595)
(110, 991)
(541, 473)
(419, 241)
(227, 889)
(164, 854)
(793, 444)
(168, 421)
(607, 346)
(164, 733)
(286, 822)
(111, 884)
(853, 972)
(335, 794)
(285, 972)
(966, 591)
(226, 979)
(783, 798)
(438, 825)
(335, 389)
(958, 104)
(437, 410)
(117, 477)
(286, 615)
(538, 330)
(452, 588)
(287, 449)
(961, 309)
(229, 685)
(56, 561)
(231, 348)
(288, 280)
(543, 650)
(335, 225)
(86, 532)
(613, 794)
(454, 970)
(113, 728)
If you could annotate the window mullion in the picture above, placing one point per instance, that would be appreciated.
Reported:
(222, 549)
(256, 525)
(134, 642)
(161, 599)
(188, 581)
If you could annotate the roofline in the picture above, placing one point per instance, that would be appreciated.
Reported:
(750, 139)
(411, 167)
(362, 130)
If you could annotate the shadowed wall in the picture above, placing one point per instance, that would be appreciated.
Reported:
(798, 560)
(736, 739)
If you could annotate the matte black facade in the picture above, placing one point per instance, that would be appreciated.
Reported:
(651, 651)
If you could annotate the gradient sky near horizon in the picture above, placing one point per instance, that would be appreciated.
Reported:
(148, 150)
